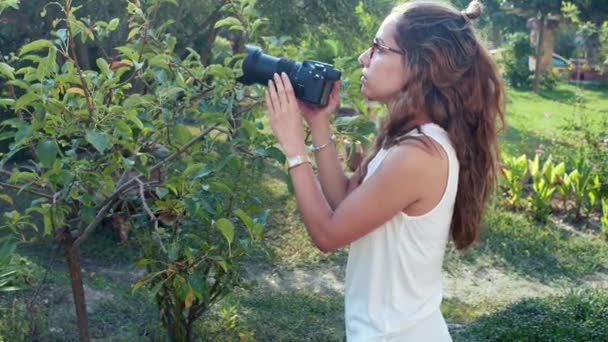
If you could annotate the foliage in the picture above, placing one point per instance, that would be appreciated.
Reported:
(584, 184)
(543, 185)
(515, 60)
(16, 273)
(14, 325)
(4, 4)
(604, 218)
(515, 170)
(578, 316)
(549, 81)
(111, 142)
(495, 22)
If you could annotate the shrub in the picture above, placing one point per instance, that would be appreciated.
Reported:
(515, 60)
(549, 80)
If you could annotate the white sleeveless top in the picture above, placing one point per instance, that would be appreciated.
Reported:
(393, 287)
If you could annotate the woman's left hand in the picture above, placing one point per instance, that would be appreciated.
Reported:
(285, 118)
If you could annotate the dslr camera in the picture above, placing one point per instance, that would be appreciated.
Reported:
(311, 80)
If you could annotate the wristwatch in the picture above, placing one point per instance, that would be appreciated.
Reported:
(297, 160)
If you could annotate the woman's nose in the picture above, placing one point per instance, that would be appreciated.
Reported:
(364, 58)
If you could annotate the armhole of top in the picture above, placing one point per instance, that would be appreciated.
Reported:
(438, 141)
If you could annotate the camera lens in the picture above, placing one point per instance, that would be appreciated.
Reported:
(259, 67)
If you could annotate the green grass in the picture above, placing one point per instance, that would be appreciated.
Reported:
(540, 119)
(541, 252)
(578, 316)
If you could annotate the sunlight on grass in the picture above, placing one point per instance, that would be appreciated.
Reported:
(540, 119)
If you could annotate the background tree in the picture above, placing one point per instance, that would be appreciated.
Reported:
(540, 9)
(495, 23)
(589, 17)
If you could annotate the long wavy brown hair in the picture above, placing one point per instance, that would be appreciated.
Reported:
(455, 81)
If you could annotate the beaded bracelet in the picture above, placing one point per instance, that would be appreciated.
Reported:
(315, 148)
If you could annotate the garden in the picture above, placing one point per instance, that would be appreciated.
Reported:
(143, 196)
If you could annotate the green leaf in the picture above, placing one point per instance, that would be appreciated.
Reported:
(103, 66)
(227, 229)
(25, 100)
(182, 134)
(189, 298)
(245, 218)
(24, 132)
(233, 22)
(143, 262)
(99, 140)
(6, 198)
(7, 71)
(4, 4)
(223, 264)
(36, 45)
(276, 154)
(113, 24)
(6, 102)
(135, 120)
(47, 152)
(197, 283)
(48, 65)
(173, 251)
(128, 52)
(133, 33)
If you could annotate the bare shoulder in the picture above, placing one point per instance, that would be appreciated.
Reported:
(417, 154)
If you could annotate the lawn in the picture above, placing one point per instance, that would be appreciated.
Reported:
(524, 281)
(541, 119)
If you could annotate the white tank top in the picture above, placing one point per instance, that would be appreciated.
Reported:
(393, 287)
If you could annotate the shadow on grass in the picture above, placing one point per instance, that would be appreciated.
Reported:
(516, 142)
(559, 94)
(539, 251)
(270, 315)
(578, 316)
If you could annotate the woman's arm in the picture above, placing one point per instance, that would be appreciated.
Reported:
(334, 182)
(400, 181)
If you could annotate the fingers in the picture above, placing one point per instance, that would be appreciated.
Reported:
(289, 93)
(272, 94)
(269, 102)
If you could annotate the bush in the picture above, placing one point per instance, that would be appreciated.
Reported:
(578, 316)
(515, 60)
(549, 81)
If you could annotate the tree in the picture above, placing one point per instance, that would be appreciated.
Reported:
(589, 16)
(540, 9)
(496, 22)
(150, 128)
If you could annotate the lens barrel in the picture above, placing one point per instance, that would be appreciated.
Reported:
(259, 67)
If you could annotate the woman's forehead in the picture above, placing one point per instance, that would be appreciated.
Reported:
(386, 32)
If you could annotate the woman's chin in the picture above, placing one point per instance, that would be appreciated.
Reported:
(366, 93)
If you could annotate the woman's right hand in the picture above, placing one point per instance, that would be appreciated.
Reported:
(319, 116)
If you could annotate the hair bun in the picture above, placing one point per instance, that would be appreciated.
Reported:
(474, 10)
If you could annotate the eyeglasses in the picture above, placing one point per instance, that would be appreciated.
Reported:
(377, 45)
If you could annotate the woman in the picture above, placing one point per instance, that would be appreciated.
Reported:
(432, 171)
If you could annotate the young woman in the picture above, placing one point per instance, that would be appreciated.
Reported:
(429, 177)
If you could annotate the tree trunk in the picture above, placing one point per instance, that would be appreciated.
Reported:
(73, 259)
(539, 54)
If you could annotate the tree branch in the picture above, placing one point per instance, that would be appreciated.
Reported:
(85, 88)
(31, 191)
(107, 204)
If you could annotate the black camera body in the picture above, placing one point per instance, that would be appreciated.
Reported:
(311, 80)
